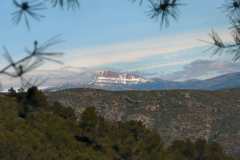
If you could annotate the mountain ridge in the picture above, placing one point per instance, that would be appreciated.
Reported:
(231, 80)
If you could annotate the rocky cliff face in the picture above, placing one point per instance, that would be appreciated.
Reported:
(176, 114)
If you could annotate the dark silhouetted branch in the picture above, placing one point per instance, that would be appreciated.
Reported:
(69, 4)
(26, 10)
(34, 59)
(232, 9)
(162, 10)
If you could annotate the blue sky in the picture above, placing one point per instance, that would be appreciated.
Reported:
(117, 34)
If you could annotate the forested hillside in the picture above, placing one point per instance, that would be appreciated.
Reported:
(176, 114)
(31, 129)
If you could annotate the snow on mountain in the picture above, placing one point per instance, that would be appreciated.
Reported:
(71, 77)
(118, 78)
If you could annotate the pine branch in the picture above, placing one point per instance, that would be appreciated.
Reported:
(232, 10)
(33, 60)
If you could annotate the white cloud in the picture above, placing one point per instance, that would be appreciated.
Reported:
(133, 51)
(161, 65)
(203, 69)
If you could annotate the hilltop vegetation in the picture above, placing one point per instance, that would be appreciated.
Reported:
(30, 128)
(176, 114)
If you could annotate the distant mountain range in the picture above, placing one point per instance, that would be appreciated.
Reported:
(109, 80)
(227, 81)
(70, 77)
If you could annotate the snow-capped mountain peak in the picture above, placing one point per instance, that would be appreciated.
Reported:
(111, 77)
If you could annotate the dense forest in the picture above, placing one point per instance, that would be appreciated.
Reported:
(30, 128)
